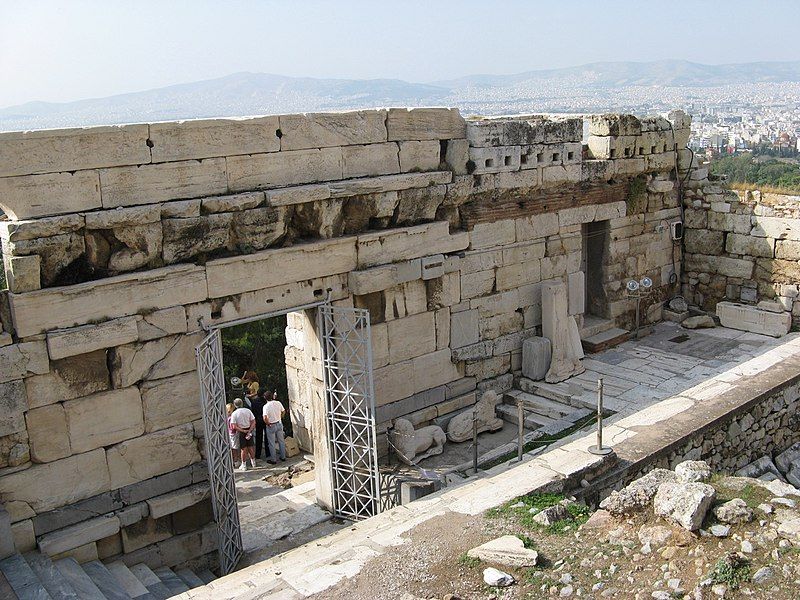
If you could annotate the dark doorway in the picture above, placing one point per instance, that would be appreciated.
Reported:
(595, 248)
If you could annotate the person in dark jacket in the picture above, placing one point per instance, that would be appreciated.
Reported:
(257, 406)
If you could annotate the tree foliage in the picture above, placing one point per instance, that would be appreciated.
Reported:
(257, 346)
(742, 168)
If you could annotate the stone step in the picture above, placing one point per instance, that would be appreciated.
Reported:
(554, 391)
(508, 412)
(593, 325)
(79, 580)
(129, 582)
(50, 577)
(106, 582)
(189, 578)
(605, 340)
(5, 588)
(22, 579)
(171, 580)
(538, 404)
(151, 581)
(207, 576)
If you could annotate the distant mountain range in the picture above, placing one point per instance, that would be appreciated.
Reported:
(260, 93)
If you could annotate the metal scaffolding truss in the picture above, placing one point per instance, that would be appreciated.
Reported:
(218, 450)
(350, 411)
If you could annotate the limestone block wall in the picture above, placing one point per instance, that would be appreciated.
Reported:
(742, 246)
(123, 243)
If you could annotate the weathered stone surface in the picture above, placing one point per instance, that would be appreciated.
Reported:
(507, 550)
(161, 323)
(144, 533)
(425, 124)
(285, 265)
(786, 249)
(54, 150)
(56, 253)
(88, 338)
(576, 293)
(47, 433)
(186, 238)
(141, 245)
(704, 241)
(785, 459)
(384, 277)
(638, 494)
(264, 171)
(204, 138)
(750, 318)
(536, 226)
(15, 231)
(551, 515)
(412, 336)
(167, 504)
(693, 470)
(684, 503)
(36, 312)
(58, 483)
(148, 184)
(536, 354)
(171, 401)
(103, 419)
(370, 160)
(260, 228)
(460, 427)
(419, 205)
(564, 362)
(33, 196)
(698, 322)
(464, 328)
(495, 578)
(733, 512)
(434, 369)
(155, 359)
(747, 245)
(408, 243)
(22, 360)
(13, 404)
(23, 273)
(614, 124)
(78, 535)
(69, 378)
(152, 454)
(123, 217)
(232, 203)
(419, 156)
(180, 209)
(320, 130)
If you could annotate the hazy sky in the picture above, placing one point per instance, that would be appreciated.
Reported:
(74, 49)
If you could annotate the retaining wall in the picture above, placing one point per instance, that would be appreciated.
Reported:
(121, 241)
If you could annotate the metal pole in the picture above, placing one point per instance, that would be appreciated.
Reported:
(599, 448)
(475, 441)
(521, 428)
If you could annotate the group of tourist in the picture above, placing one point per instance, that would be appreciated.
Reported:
(255, 424)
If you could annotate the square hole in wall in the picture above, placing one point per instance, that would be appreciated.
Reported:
(507, 161)
(613, 153)
(540, 157)
(489, 162)
(570, 155)
(627, 151)
(523, 159)
(641, 151)
(556, 156)
(652, 149)
(665, 147)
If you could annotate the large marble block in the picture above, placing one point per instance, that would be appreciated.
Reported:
(536, 354)
(556, 326)
(750, 318)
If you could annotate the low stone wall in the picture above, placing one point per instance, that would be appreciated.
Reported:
(740, 245)
(122, 243)
(745, 424)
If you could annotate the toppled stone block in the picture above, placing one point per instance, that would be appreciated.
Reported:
(753, 319)
(507, 550)
(637, 494)
(693, 470)
(733, 512)
(684, 503)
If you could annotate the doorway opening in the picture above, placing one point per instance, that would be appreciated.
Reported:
(596, 235)
(327, 402)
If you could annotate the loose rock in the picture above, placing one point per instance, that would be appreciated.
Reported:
(496, 578)
(734, 512)
(684, 503)
(508, 550)
(693, 470)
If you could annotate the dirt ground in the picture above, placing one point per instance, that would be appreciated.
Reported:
(604, 558)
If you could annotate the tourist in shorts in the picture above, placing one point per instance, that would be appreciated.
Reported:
(233, 435)
(245, 424)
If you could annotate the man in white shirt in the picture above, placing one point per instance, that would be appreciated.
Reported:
(245, 423)
(273, 411)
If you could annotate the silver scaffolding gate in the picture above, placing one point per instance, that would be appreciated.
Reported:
(218, 451)
(350, 411)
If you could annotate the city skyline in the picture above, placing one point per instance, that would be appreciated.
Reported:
(57, 53)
